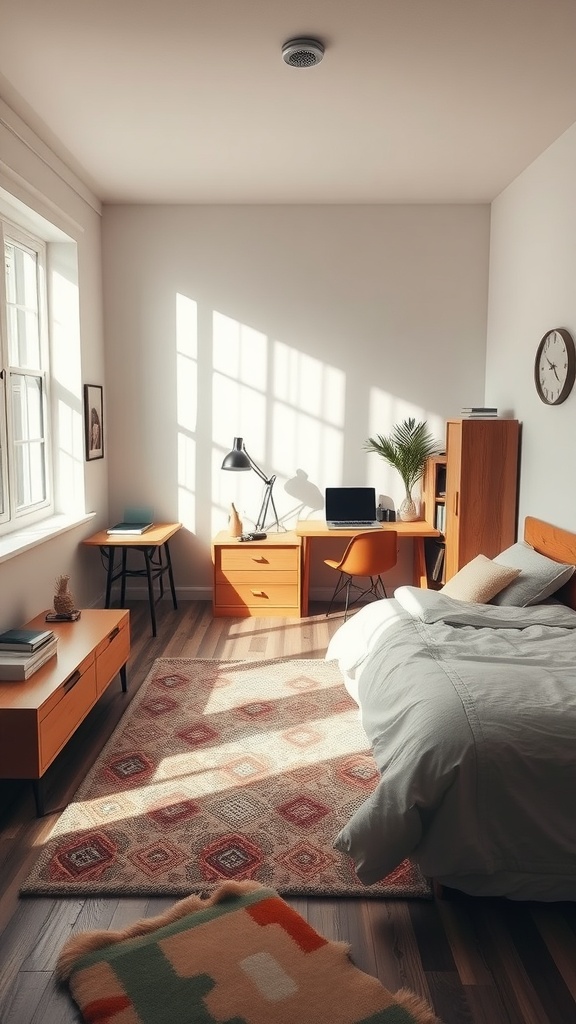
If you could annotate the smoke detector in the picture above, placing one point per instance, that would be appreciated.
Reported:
(302, 53)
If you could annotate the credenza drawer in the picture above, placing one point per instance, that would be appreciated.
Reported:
(111, 654)
(263, 559)
(78, 695)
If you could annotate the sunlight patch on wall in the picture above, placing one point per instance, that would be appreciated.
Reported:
(308, 416)
(187, 406)
(69, 454)
(240, 364)
(288, 407)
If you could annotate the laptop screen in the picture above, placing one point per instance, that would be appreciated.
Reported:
(345, 504)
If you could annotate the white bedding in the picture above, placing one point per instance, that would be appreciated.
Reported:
(471, 714)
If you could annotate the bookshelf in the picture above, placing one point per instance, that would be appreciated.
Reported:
(434, 512)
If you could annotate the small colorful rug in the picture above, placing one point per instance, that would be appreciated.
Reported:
(222, 770)
(242, 957)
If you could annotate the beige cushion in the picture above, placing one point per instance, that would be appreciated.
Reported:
(480, 580)
(541, 576)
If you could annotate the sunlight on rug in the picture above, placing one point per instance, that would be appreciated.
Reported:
(222, 770)
(244, 956)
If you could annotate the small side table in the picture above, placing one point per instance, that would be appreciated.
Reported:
(154, 548)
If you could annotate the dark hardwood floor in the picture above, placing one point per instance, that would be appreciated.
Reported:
(475, 961)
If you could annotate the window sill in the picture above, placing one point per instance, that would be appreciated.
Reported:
(13, 544)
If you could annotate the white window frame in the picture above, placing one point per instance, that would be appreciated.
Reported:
(12, 518)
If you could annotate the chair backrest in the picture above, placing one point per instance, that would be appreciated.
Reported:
(370, 553)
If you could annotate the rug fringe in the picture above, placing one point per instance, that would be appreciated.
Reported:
(87, 942)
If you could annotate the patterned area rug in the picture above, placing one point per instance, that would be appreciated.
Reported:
(222, 770)
(243, 956)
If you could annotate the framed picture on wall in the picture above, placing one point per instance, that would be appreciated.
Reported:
(94, 421)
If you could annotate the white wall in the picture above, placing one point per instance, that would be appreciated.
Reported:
(303, 329)
(32, 176)
(532, 290)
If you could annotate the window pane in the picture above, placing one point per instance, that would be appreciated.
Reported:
(22, 306)
(30, 479)
(28, 432)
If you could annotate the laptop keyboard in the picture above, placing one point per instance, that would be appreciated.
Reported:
(353, 524)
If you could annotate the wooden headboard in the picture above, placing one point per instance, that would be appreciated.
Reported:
(557, 544)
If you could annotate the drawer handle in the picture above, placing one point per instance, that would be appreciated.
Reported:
(259, 593)
(71, 681)
(262, 560)
(114, 633)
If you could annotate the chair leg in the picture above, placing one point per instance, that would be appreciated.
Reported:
(379, 582)
(345, 581)
(339, 586)
(347, 597)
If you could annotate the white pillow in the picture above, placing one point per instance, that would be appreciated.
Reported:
(479, 580)
(541, 576)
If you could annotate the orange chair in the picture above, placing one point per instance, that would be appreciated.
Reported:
(367, 555)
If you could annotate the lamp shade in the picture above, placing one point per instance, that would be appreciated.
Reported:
(237, 458)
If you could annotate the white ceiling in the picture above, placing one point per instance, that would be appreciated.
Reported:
(189, 101)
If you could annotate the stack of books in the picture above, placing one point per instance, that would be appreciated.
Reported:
(479, 412)
(24, 651)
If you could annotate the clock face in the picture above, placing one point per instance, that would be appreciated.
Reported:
(555, 367)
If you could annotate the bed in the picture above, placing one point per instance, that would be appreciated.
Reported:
(470, 709)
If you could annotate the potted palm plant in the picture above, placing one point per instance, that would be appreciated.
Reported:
(407, 449)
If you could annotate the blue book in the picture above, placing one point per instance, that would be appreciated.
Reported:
(28, 640)
(129, 528)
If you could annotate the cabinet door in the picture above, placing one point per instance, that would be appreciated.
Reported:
(481, 491)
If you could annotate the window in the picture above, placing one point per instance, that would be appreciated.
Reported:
(25, 478)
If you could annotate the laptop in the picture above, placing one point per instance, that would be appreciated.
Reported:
(351, 508)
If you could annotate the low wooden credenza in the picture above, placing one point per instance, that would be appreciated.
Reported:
(40, 714)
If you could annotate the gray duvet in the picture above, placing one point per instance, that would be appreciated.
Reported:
(471, 714)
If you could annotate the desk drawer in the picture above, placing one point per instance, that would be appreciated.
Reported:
(255, 578)
(111, 654)
(77, 697)
(263, 559)
(258, 598)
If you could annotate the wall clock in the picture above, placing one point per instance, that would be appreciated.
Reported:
(555, 366)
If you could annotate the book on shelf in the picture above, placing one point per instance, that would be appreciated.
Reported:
(479, 412)
(438, 565)
(128, 528)
(440, 518)
(441, 481)
(15, 666)
(434, 550)
(24, 640)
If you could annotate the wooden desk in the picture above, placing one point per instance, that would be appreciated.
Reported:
(316, 529)
(153, 545)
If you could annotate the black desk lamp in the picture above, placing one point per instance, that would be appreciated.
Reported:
(239, 459)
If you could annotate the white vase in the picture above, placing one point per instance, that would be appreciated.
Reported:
(408, 510)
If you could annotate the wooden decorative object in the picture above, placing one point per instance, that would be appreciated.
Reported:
(235, 523)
